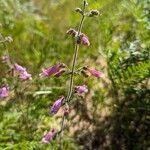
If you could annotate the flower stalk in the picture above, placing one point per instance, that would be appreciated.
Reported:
(70, 90)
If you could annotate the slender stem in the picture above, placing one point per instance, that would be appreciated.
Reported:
(69, 94)
(75, 57)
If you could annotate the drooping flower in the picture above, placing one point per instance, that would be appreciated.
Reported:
(84, 40)
(49, 136)
(58, 74)
(25, 76)
(19, 68)
(4, 91)
(57, 104)
(94, 72)
(52, 70)
(81, 89)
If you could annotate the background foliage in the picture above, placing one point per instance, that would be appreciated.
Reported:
(115, 112)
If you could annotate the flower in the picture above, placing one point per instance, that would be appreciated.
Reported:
(81, 89)
(84, 40)
(94, 72)
(49, 136)
(57, 104)
(58, 74)
(52, 70)
(25, 76)
(19, 68)
(4, 91)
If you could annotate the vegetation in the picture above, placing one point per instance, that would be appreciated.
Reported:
(114, 114)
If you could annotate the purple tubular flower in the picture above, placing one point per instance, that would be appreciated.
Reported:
(49, 136)
(57, 104)
(84, 40)
(95, 73)
(4, 91)
(19, 68)
(81, 89)
(52, 70)
(25, 76)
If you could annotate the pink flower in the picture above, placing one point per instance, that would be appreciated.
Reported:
(49, 136)
(52, 70)
(81, 89)
(95, 73)
(57, 104)
(4, 91)
(19, 68)
(84, 40)
(58, 74)
(25, 76)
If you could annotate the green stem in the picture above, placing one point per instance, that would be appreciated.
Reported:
(70, 90)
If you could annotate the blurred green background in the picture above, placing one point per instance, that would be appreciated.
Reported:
(115, 114)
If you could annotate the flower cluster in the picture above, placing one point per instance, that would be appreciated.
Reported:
(59, 69)
(81, 38)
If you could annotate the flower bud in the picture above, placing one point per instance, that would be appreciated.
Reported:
(93, 13)
(84, 40)
(85, 73)
(66, 110)
(71, 32)
(57, 104)
(79, 10)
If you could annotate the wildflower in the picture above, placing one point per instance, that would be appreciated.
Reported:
(25, 76)
(52, 70)
(58, 74)
(19, 68)
(84, 40)
(81, 89)
(94, 72)
(4, 91)
(57, 104)
(49, 136)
